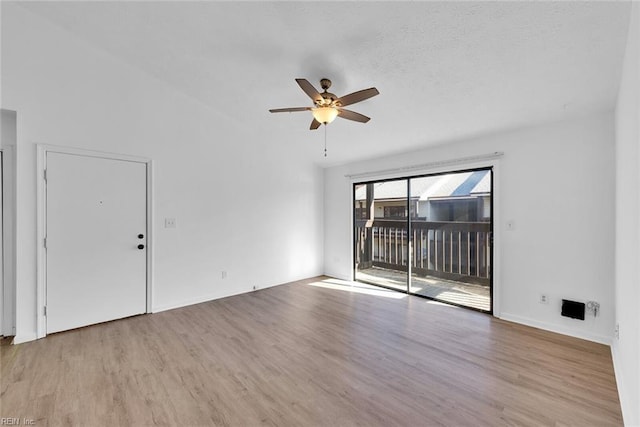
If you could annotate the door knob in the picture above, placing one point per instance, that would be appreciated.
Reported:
(140, 246)
(140, 236)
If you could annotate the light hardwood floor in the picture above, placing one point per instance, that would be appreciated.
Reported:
(305, 354)
(449, 291)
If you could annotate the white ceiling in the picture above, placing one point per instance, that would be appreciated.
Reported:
(445, 70)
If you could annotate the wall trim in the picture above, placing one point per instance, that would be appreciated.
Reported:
(625, 405)
(427, 166)
(193, 301)
(206, 298)
(8, 224)
(21, 338)
(559, 329)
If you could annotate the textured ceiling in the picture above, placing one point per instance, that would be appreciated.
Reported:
(445, 70)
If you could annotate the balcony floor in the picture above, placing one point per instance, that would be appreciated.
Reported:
(460, 293)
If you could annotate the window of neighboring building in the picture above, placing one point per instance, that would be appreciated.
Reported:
(395, 212)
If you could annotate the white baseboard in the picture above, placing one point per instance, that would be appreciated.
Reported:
(337, 275)
(192, 301)
(20, 338)
(601, 339)
(626, 404)
(212, 297)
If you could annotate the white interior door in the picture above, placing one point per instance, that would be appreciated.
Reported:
(2, 326)
(96, 259)
(8, 139)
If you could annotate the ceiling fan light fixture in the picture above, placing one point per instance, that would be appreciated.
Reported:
(324, 115)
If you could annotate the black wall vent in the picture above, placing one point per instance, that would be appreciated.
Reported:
(573, 309)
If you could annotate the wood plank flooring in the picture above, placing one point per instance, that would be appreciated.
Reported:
(449, 291)
(310, 353)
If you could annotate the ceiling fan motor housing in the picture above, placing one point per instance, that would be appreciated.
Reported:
(328, 98)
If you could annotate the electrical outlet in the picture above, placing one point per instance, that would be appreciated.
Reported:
(169, 223)
(544, 299)
(616, 331)
(224, 274)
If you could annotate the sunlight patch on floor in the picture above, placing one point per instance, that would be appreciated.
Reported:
(359, 288)
(440, 303)
(447, 291)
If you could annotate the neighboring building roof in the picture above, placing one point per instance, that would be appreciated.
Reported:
(448, 185)
(469, 184)
(398, 188)
(462, 184)
(390, 190)
(484, 186)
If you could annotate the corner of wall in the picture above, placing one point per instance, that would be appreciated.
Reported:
(625, 350)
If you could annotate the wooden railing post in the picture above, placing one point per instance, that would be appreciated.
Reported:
(367, 250)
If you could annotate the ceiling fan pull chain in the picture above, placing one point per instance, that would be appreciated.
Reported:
(325, 140)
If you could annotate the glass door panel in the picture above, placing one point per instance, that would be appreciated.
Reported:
(381, 233)
(451, 238)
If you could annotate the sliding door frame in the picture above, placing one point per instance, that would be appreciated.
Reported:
(353, 238)
(493, 166)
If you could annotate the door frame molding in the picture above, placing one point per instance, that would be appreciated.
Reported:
(2, 289)
(41, 275)
(8, 288)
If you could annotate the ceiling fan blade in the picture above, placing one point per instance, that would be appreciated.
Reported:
(352, 115)
(314, 125)
(309, 89)
(289, 110)
(358, 96)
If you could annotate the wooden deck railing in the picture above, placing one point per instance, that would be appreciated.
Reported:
(450, 250)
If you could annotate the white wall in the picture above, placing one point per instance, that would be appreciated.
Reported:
(556, 182)
(209, 171)
(626, 349)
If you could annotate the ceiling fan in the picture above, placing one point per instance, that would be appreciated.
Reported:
(328, 106)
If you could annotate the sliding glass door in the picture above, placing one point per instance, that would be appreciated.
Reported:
(429, 236)
(381, 233)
